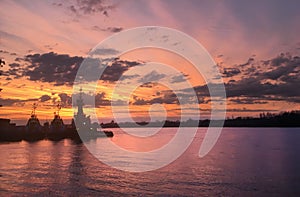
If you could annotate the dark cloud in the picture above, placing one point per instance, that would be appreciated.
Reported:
(292, 99)
(125, 77)
(248, 101)
(105, 13)
(12, 102)
(92, 7)
(251, 87)
(19, 59)
(102, 101)
(114, 29)
(14, 65)
(8, 102)
(230, 72)
(249, 62)
(249, 110)
(45, 98)
(108, 29)
(254, 88)
(65, 100)
(140, 101)
(21, 86)
(179, 78)
(164, 97)
(14, 71)
(284, 67)
(279, 60)
(167, 98)
(275, 79)
(104, 51)
(114, 72)
(149, 85)
(4, 51)
(59, 69)
(154, 76)
(57, 4)
(73, 9)
(50, 46)
(99, 100)
(118, 67)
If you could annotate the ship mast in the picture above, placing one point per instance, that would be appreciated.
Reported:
(80, 104)
(58, 106)
(34, 106)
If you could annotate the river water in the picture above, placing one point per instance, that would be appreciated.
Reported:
(244, 162)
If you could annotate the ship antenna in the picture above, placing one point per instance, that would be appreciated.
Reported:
(80, 93)
(34, 106)
(80, 103)
(58, 108)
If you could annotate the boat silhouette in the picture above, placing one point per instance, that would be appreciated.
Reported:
(33, 130)
(81, 128)
(57, 124)
(83, 123)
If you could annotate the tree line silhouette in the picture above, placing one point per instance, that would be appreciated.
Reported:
(282, 119)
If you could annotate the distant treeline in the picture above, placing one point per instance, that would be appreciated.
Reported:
(283, 119)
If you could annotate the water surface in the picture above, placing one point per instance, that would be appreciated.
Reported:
(245, 161)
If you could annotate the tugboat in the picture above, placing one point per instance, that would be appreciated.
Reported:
(57, 130)
(33, 128)
(84, 127)
(57, 124)
(33, 123)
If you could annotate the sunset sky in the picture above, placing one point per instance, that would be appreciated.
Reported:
(256, 46)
